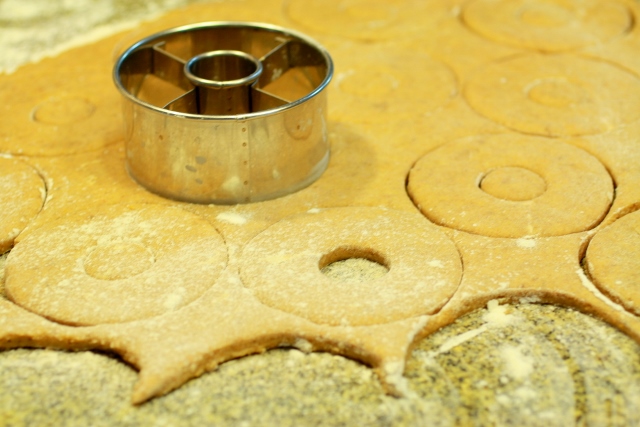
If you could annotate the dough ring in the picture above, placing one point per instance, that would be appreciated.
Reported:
(613, 257)
(373, 86)
(119, 264)
(555, 95)
(511, 185)
(22, 193)
(282, 266)
(548, 25)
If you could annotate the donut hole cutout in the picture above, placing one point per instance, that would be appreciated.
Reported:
(352, 264)
(285, 262)
(513, 183)
(118, 260)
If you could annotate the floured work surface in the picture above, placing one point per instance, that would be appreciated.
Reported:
(470, 163)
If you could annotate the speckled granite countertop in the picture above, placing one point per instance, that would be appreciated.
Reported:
(518, 365)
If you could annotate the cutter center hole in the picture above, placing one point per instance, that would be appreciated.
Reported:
(353, 265)
(223, 68)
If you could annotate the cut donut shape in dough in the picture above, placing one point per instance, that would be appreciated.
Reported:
(612, 260)
(555, 95)
(287, 258)
(115, 264)
(22, 193)
(511, 185)
(548, 25)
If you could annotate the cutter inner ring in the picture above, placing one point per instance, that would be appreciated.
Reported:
(222, 79)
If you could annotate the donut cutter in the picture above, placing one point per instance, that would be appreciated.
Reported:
(225, 112)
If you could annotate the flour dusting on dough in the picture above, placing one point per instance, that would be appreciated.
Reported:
(526, 242)
(232, 218)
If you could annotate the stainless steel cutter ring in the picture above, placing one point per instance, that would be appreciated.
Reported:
(225, 112)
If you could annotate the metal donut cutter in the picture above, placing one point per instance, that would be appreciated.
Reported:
(225, 112)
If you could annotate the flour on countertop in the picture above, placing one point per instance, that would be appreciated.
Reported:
(517, 364)
(65, 24)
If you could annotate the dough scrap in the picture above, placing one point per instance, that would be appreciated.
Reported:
(446, 185)
(286, 259)
(555, 95)
(612, 260)
(548, 25)
(115, 264)
(22, 194)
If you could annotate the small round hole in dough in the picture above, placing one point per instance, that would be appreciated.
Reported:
(353, 264)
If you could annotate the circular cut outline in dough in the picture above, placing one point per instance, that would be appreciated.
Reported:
(513, 183)
(555, 95)
(445, 186)
(46, 271)
(281, 266)
(22, 195)
(612, 260)
(549, 26)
